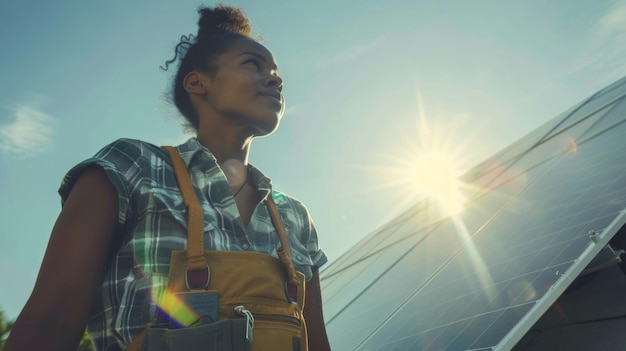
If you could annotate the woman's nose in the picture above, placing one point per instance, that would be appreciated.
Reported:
(274, 81)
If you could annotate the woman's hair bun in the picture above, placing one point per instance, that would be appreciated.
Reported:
(222, 19)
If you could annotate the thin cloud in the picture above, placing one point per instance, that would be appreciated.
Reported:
(29, 134)
(351, 53)
(614, 20)
(606, 46)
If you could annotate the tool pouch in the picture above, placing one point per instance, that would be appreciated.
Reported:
(219, 336)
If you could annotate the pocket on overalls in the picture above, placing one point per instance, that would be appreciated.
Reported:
(279, 333)
(226, 335)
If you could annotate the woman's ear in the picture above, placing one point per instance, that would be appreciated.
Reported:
(194, 83)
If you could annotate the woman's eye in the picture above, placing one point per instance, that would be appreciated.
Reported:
(252, 62)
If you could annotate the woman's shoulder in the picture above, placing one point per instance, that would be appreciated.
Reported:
(133, 147)
(283, 200)
(131, 153)
(124, 160)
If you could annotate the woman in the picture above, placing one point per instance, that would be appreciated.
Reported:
(108, 257)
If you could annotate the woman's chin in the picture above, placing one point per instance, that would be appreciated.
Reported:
(267, 125)
(266, 129)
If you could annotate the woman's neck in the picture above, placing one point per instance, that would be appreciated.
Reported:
(226, 145)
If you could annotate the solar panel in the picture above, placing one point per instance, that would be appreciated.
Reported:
(480, 279)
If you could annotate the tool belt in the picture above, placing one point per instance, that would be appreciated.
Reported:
(257, 300)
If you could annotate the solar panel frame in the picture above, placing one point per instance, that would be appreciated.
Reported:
(542, 305)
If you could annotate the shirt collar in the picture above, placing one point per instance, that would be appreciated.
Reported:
(193, 150)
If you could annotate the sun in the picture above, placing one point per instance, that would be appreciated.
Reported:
(436, 176)
(425, 163)
(424, 167)
(431, 163)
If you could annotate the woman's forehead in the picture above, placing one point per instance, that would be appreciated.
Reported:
(246, 45)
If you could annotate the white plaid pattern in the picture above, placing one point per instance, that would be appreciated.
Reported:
(152, 221)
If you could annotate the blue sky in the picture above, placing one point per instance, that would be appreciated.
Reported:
(359, 78)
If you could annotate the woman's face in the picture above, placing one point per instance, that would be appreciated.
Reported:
(245, 87)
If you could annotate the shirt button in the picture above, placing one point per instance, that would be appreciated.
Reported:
(245, 246)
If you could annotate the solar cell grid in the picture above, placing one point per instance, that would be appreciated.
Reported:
(542, 265)
(572, 127)
(504, 157)
(431, 300)
(570, 124)
(364, 313)
(360, 276)
(365, 246)
(604, 97)
(610, 119)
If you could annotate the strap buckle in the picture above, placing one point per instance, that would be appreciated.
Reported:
(197, 278)
(291, 291)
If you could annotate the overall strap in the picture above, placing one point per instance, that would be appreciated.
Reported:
(197, 270)
(283, 252)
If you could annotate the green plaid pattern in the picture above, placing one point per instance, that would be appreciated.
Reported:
(152, 221)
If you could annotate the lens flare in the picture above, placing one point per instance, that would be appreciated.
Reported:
(180, 315)
(520, 292)
(478, 264)
(569, 146)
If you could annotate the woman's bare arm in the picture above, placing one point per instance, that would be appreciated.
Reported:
(318, 340)
(73, 267)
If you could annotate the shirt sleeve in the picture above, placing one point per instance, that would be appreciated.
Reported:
(306, 254)
(308, 239)
(318, 256)
(121, 162)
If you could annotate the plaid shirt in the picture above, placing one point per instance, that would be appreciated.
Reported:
(152, 221)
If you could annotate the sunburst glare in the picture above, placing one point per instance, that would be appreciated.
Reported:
(427, 163)
(436, 176)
